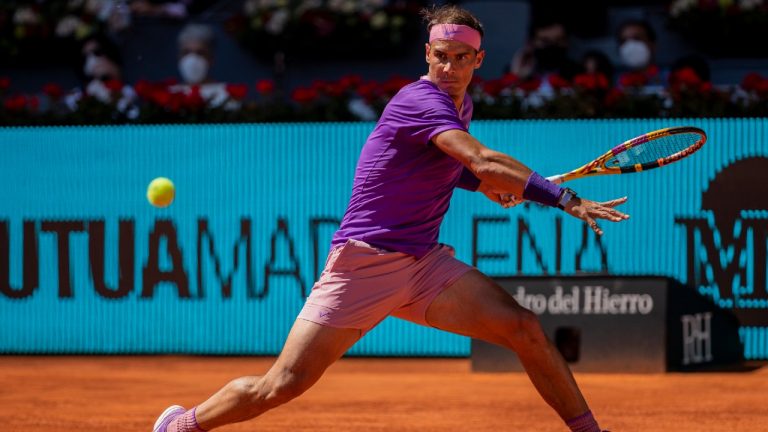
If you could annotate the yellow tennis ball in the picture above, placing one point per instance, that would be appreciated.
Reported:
(160, 192)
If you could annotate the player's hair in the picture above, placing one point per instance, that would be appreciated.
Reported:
(450, 14)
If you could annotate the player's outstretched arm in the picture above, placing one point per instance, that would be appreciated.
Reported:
(501, 175)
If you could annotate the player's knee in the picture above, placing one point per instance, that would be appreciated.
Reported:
(521, 328)
(281, 387)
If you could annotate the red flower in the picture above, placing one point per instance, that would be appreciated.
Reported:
(762, 88)
(752, 81)
(53, 91)
(530, 85)
(15, 103)
(510, 79)
(335, 90)
(161, 96)
(633, 79)
(237, 91)
(304, 95)
(175, 101)
(493, 87)
(394, 84)
(144, 89)
(591, 81)
(193, 99)
(265, 86)
(368, 91)
(114, 85)
(557, 82)
(5, 82)
(685, 77)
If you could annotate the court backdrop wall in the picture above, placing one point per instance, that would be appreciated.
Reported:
(88, 266)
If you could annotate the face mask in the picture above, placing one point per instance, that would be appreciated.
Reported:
(90, 64)
(193, 68)
(550, 58)
(635, 54)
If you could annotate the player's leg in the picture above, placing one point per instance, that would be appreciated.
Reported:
(476, 306)
(308, 351)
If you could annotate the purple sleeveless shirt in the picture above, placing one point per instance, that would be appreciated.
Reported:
(404, 183)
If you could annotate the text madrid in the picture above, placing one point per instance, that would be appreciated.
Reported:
(594, 300)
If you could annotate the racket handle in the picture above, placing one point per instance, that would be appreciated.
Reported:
(556, 179)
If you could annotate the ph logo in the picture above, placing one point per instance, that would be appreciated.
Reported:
(697, 338)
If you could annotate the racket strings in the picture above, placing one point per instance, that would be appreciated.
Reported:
(655, 149)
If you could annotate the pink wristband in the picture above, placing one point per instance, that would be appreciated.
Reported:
(457, 32)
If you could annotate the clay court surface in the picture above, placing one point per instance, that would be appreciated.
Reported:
(126, 394)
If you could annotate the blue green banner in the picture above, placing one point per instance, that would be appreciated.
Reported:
(87, 265)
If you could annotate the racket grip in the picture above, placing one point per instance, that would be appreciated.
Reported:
(556, 179)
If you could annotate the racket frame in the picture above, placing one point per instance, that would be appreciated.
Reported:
(598, 166)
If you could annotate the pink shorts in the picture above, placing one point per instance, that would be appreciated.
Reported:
(361, 285)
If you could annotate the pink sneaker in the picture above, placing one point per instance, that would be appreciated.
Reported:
(170, 413)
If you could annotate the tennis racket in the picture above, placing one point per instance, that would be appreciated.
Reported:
(652, 150)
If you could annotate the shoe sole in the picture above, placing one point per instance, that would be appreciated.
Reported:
(165, 413)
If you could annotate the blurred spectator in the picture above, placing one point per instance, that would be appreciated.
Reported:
(545, 53)
(196, 47)
(100, 71)
(636, 41)
(597, 63)
(637, 45)
(178, 9)
(93, 50)
(584, 19)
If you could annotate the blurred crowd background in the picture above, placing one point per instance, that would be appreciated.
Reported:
(185, 61)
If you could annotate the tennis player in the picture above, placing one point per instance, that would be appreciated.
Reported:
(385, 259)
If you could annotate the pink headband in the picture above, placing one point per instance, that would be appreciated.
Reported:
(456, 32)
